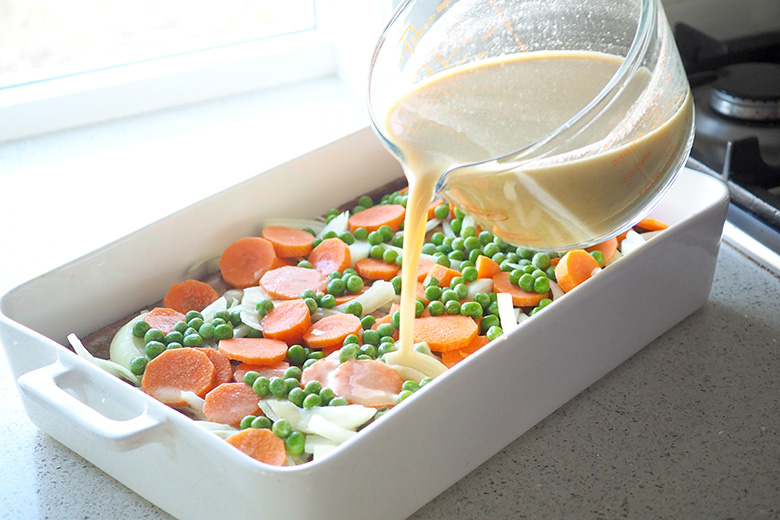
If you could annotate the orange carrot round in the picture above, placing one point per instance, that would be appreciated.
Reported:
(445, 275)
(367, 382)
(486, 267)
(651, 224)
(222, 365)
(520, 298)
(423, 268)
(228, 403)
(163, 318)
(330, 255)
(261, 444)
(575, 267)
(606, 248)
(189, 295)
(289, 242)
(452, 357)
(376, 269)
(178, 370)
(445, 332)
(377, 216)
(288, 282)
(287, 321)
(244, 261)
(257, 351)
(331, 331)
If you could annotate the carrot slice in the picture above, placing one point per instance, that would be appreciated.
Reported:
(651, 224)
(606, 248)
(445, 332)
(376, 269)
(258, 351)
(367, 382)
(228, 403)
(575, 267)
(189, 295)
(276, 370)
(287, 321)
(288, 282)
(222, 365)
(163, 318)
(261, 444)
(178, 370)
(424, 267)
(443, 274)
(289, 242)
(244, 261)
(331, 331)
(453, 357)
(486, 267)
(377, 216)
(330, 255)
(520, 298)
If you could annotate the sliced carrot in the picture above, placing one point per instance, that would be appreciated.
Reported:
(520, 298)
(445, 332)
(377, 216)
(330, 255)
(257, 351)
(331, 331)
(486, 267)
(178, 370)
(163, 318)
(270, 371)
(228, 403)
(348, 296)
(423, 268)
(289, 242)
(651, 224)
(443, 274)
(189, 295)
(261, 444)
(554, 260)
(288, 282)
(435, 203)
(367, 382)
(606, 248)
(222, 365)
(376, 269)
(287, 321)
(575, 267)
(244, 261)
(452, 357)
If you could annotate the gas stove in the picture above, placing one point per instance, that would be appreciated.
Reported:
(735, 82)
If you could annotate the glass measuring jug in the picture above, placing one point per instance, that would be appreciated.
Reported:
(555, 124)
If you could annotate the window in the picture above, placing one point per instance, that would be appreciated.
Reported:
(74, 62)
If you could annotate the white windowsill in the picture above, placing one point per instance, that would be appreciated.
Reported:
(67, 193)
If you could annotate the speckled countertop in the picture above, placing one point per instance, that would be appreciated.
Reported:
(687, 428)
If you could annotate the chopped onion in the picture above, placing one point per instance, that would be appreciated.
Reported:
(337, 224)
(632, 241)
(220, 304)
(556, 290)
(112, 368)
(359, 250)
(506, 312)
(379, 294)
(249, 314)
(484, 285)
(321, 426)
(318, 445)
(430, 225)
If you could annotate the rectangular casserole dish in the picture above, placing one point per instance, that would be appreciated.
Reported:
(395, 465)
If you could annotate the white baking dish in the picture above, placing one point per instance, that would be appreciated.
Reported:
(395, 465)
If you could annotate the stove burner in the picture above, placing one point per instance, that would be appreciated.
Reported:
(748, 91)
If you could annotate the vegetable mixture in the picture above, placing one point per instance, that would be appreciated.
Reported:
(289, 361)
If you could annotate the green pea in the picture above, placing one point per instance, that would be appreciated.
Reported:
(366, 322)
(462, 291)
(490, 249)
(395, 319)
(262, 386)
(398, 241)
(507, 266)
(377, 252)
(385, 347)
(173, 344)
(499, 258)
(348, 352)
(541, 260)
(456, 224)
(352, 338)
(193, 340)
(309, 231)
(483, 299)
(347, 238)
(457, 280)
(375, 238)
(327, 301)
(196, 323)
(514, 276)
(291, 382)
(246, 422)
(542, 285)
(217, 322)
(250, 377)
(371, 337)
(206, 331)
(154, 335)
(449, 295)
(525, 253)
(355, 308)
(311, 401)
(329, 234)
(471, 309)
(305, 264)
(550, 273)
(332, 212)
(296, 396)
(494, 332)
(309, 293)
(235, 317)
(437, 238)
(360, 233)
(433, 292)
(138, 365)
(599, 256)
(293, 371)
(457, 255)
(189, 331)
(296, 354)
(336, 287)
(260, 422)
(254, 333)
(396, 281)
(369, 350)
(354, 284)
(140, 328)
(526, 282)
(338, 401)
(180, 326)
(224, 331)
(385, 329)
(326, 395)
(221, 315)
(425, 380)
(403, 395)
(308, 363)
(282, 428)
(472, 243)
(366, 201)
(410, 385)
(390, 256)
(442, 259)
(191, 315)
(311, 303)
(172, 336)
(419, 308)
(452, 307)
(386, 232)
(316, 354)
(468, 231)
(277, 386)
(295, 443)
(485, 237)
(436, 308)
(428, 249)
(489, 321)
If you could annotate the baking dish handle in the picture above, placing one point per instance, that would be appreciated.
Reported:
(42, 387)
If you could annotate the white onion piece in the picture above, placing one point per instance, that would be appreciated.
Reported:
(220, 304)
(379, 294)
(430, 225)
(359, 250)
(111, 367)
(249, 314)
(447, 229)
(339, 225)
(506, 312)
(632, 241)
(321, 426)
(484, 285)
(615, 257)
(318, 446)
(556, 290)
(124, 345)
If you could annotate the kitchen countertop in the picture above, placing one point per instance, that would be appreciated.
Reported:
(686, 428)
